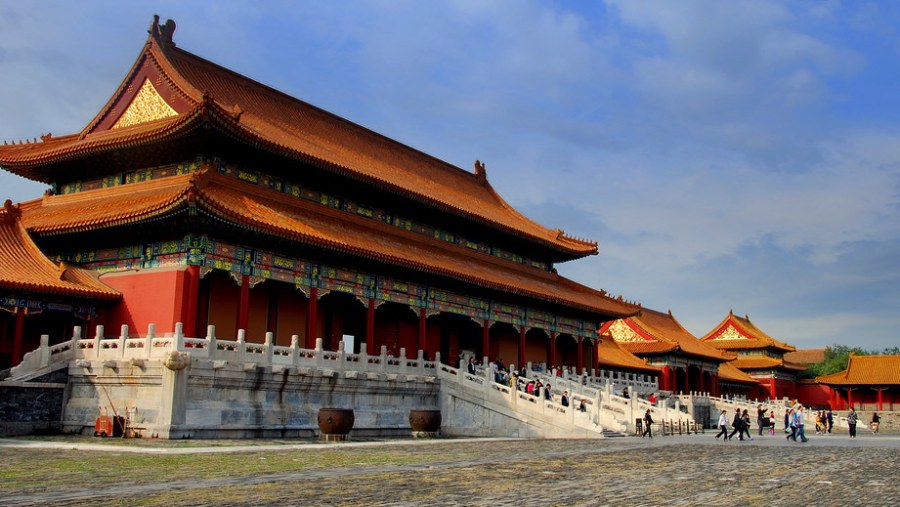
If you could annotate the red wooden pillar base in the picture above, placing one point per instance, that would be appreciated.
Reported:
(422, 338)
(18, 338)
(244, 303)
(370, 328)
(485, 339)
(552, 362)
(579, 362)
(312, 317)
(521, 358)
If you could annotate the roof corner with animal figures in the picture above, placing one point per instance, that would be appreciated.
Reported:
(25, 269)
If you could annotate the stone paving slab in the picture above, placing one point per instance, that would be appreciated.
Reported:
(690, 470)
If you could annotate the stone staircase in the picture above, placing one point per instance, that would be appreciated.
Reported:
(475, 405)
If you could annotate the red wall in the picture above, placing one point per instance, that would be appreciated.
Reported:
(154, 296)
(814, 395)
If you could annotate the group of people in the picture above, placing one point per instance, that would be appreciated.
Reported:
(514, 380)
(740, 425)
(794, 423)
(824, 421)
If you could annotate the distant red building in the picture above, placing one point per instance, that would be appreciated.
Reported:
(685, 363)
(758, 354)
(868, 383)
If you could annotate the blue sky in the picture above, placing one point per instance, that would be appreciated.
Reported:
(736, 155)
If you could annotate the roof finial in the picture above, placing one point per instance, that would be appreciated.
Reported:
(162, 33)
(480, 171)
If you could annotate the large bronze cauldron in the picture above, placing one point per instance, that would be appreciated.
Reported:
(425, 423)
(335, 423)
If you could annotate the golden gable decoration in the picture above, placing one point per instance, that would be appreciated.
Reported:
(622, 333)
(730, 333)
(147, 105)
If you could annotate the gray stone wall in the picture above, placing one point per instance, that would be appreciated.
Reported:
(32, 407)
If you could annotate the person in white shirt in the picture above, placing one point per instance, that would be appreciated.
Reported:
(723, 426)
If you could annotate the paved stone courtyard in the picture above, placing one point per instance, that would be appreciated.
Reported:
(683, 470)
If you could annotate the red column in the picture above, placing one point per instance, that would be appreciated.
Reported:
(849, 398)
(773, 390)
(244, 304)
(521, 357)
(423, 334)
(312, 317)
(552, 363)
(580, 361)
(701, 387)
(370, 328)
(595, 354)
(18, 337)
(191, 289)
(665, 382)
(880, 399)
(486, 339)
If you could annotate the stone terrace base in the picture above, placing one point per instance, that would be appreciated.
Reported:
(219, 399)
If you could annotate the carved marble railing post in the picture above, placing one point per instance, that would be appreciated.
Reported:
(363, 357)
(420, 359)
(402, 359)
(77, 351)
(45, 350)
(270, 347)
(98, 337)
(342, 357)
(120, 345)
(211, 342)
(148, 342)
(241, 345)
(295, 350)
(384, 359)
(320, 359)
(179, 336)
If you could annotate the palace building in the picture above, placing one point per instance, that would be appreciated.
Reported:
(685, 363)
(758, 355)
(868, 383)
(199, 196)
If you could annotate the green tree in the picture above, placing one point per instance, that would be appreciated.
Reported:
(837, 357)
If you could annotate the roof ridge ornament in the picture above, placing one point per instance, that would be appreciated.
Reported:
(12, 210)
(162, 33)
(480, 172)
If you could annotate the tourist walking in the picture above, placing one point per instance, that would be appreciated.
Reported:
(792, 418)
(829, 420)
(564, 400)
(876, 422)
(760, 418)
(471, 366)
(723, 426)
(745, 423)
(801, 421)
(772, 423)
(648, 424)
(737, 423)
(852, 419)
